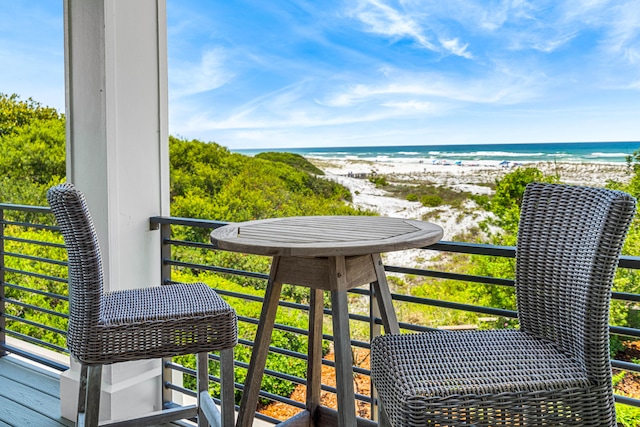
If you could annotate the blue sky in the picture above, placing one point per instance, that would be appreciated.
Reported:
(295, 73)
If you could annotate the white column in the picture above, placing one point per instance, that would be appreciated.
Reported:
(117, 154)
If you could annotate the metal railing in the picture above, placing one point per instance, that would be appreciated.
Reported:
(34, 302)
(33, 284)
(374, 322)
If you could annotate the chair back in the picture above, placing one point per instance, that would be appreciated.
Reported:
(569, 243)
(85, 264)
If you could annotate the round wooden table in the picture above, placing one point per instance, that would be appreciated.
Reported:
(332, 253)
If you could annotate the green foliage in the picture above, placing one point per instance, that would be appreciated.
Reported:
(627, 416)
(295, 160)
(32, 150)
(207, 181)
(505, 205)
(251, 309)
(32, 158)
(415, 192)
(431, 201)
(35, 152)
(378, 180)
(28, 246)
(497, 323)
(15, 113)
(625, 313)
(507, 200)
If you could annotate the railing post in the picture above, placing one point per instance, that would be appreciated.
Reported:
(3, 322)
(165, 253)
(165, 277)
(374, 331)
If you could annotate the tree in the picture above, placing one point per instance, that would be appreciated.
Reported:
(15, 113)
(507, 200)
(505, 205)
(32, 150)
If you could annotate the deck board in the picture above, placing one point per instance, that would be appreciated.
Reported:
(28, 397)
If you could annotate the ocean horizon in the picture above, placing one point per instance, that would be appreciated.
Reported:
(574, 152)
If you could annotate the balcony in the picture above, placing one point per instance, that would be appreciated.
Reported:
(33, 304)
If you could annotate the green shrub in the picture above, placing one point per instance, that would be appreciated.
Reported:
(627, 416)
(411, 197)
(379, 180)
(431, 201)
(291, 159)
(33, 267)
(251, 309)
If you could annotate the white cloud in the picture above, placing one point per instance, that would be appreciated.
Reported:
(624, 30)
(208, 74)
(506, 86)
(412, 106)
(453, 46)
(551, 44)
(383, 19)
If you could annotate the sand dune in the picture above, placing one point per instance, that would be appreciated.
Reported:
(475, 179)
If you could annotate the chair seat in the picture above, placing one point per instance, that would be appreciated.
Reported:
(159, 322)
(479, 378)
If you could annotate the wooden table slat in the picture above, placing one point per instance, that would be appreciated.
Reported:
(321, 236)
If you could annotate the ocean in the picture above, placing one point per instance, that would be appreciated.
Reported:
(585, 152)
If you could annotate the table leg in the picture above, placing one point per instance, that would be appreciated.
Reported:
(253, 382)
(314, 363)
(342, 342)
(388, 314)
(383, 294)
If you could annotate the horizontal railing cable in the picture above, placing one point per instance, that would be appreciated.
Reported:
(35, 307)
(217, 269)
(35, 258)
(36, 275)
(187, 244)
(36, 341)
(25, 208)
(33, 242)
(36, 324)
(31, 225)
(36, 291)
(35, 358)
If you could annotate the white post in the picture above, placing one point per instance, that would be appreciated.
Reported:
(117, 154)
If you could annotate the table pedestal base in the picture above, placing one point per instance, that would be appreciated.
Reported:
(336, 274)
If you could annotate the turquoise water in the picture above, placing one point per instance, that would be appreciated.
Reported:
(590, 152)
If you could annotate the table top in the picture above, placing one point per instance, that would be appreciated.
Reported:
(322, 236)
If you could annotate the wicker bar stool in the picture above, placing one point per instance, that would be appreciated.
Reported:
(553, 371)
(148, 323)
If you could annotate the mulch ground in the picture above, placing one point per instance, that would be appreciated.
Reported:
(630, 384)
(362, 385)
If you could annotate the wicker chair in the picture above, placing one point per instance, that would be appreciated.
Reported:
(137, 324)
(554, 370)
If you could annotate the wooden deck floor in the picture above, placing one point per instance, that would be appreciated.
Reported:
(29, 396)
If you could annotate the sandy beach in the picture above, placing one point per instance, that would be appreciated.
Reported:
(476, 179)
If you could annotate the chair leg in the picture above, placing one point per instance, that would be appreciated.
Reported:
(204, 399)
(208, 413)
(382, 416)
(82, 397)
(89, 396)
(227, 388)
